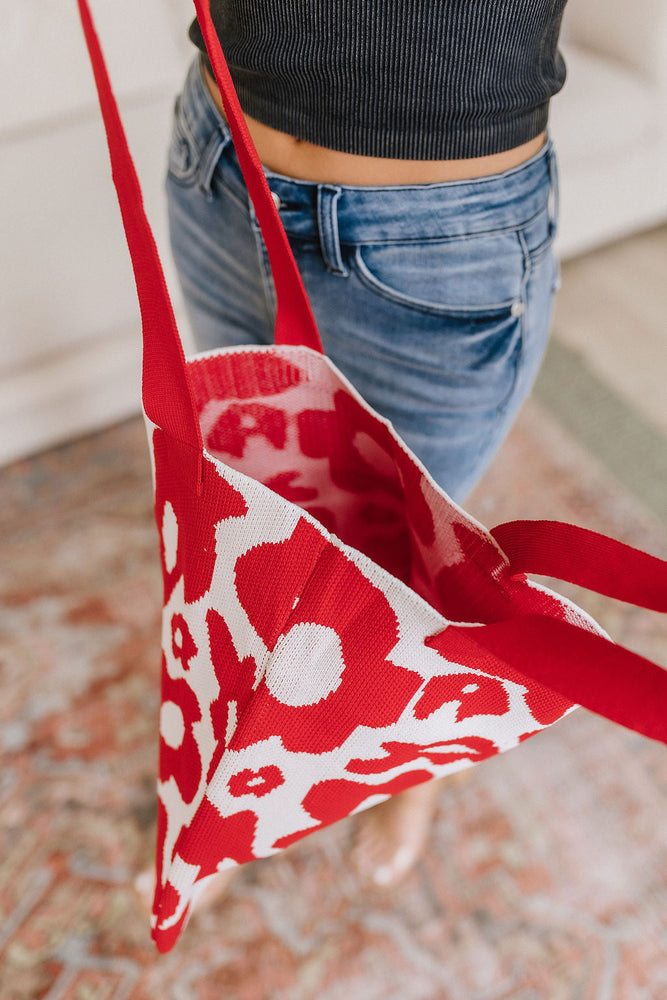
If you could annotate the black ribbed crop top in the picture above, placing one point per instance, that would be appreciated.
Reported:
(412, 79)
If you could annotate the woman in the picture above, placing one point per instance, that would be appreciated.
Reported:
(407, 149)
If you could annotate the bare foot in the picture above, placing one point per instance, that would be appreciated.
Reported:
(144, 885)
(391, 836)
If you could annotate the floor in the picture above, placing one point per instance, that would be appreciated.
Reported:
(545, 876)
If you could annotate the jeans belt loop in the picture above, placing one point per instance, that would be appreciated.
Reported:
(327, 224)
(209, 161)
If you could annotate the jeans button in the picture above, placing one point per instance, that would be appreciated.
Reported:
(518, 308)
(276, 200)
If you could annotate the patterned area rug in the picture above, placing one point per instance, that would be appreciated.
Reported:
(545, 876)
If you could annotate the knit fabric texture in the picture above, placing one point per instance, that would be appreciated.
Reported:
(424, 80)
(308, 598)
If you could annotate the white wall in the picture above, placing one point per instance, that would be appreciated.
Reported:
(69, 346)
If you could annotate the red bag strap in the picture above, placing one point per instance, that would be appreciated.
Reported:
(584, 668)
(166, 390)
(295, 323)
(585, 558)
(167, 394)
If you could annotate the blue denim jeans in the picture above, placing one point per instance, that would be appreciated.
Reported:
(435, 300)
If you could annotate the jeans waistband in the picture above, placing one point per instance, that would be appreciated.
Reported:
(387, 213)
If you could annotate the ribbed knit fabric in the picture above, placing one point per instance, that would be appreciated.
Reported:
(413, 79)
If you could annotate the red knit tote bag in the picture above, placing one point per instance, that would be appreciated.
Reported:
(335, 628)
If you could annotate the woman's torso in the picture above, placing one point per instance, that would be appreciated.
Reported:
(388, 91)
(285, 154)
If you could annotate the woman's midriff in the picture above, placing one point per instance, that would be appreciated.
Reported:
(285, 154)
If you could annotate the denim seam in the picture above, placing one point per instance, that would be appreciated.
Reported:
(527, 262)
(527, 270)
(242, 203)
(417, 240)
(185, 180)
(270, 298)
(501, 409)
(536, 256)
(553, 203)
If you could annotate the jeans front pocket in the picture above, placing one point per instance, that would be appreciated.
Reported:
(449, 317)
(470, 274)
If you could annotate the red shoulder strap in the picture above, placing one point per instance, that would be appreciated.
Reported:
(584, 668)
(167, 393)
(585, 558)
(295, 323)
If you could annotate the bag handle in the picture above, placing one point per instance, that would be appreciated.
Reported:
(295, 323)
(167, 392)
(583, 667)
(585, 558)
